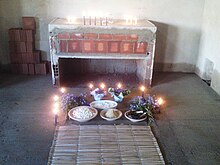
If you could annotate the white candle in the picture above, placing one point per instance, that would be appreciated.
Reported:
(84, 17)
(56, 98)
(142, 90)
(135, 20)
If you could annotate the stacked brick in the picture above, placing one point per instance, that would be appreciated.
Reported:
(24, 58)
(101, 43)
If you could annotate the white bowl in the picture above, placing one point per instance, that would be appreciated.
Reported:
(134, 120)
(103, 112)
(93, 110)
(104, 104)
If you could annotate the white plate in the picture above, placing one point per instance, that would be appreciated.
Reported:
(93, 110)
(103, 112)
(104, 104)
(134, 120)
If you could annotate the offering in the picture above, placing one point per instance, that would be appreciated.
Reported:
(134, 116)
(82, 113)
(110, 114)
(103, 104)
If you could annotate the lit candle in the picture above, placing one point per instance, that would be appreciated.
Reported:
(102, 85)
(135, 20)
(62, 90)
(142, 90)
(84, 17)
(160, 101)
(119, 85)
(68, 19)
(56, 98)
(100, 15)
(91, 86)
(56, 105)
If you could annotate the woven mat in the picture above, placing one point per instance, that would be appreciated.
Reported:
(104, 144)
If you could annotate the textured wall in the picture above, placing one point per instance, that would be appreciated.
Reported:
(208, 65)
(178, 24)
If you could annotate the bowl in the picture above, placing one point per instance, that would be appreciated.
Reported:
(103, 112)
(104, 104)
(79, 113)
(134, 120)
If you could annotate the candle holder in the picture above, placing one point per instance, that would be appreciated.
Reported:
(118, 93)
(98, 94)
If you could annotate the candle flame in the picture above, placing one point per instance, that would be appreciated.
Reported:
(91, 86)
(160, 101)
(56, 98)
(56, 105)
(102, 85)
(62, 90)
(55, 111)
(142, 88)
(119, 85)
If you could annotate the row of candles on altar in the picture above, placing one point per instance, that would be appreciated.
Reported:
(62, 90)
(98, 18)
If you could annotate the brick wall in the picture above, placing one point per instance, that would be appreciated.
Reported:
(24, 58)
(100, 43)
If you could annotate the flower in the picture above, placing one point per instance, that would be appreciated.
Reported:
(144, 107)
(69, 101)
(117, 91)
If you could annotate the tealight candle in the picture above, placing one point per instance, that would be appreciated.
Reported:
(142, 90)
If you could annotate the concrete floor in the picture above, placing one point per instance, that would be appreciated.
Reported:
(187, 129)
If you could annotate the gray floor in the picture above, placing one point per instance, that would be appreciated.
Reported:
(187, 129)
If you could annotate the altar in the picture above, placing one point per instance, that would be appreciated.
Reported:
(115, 47)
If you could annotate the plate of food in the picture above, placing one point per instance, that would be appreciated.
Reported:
(82, 113)
(110, 114)
(134, 116)
(104, 104)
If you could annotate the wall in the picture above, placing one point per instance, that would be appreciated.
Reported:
(178, 24)
(208, 64)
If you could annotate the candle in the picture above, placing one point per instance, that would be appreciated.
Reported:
(90, 20)
(68, 19)
(160, 101)
(119, 85)
(56, 98)
(142, 90)
(62, 90)
(106, 18)
(91, 86)
(55, 111)
(135, 20)
(95, 21)
(102, 85)
(84, 17)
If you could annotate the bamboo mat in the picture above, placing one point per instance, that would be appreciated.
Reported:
(104, 144)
